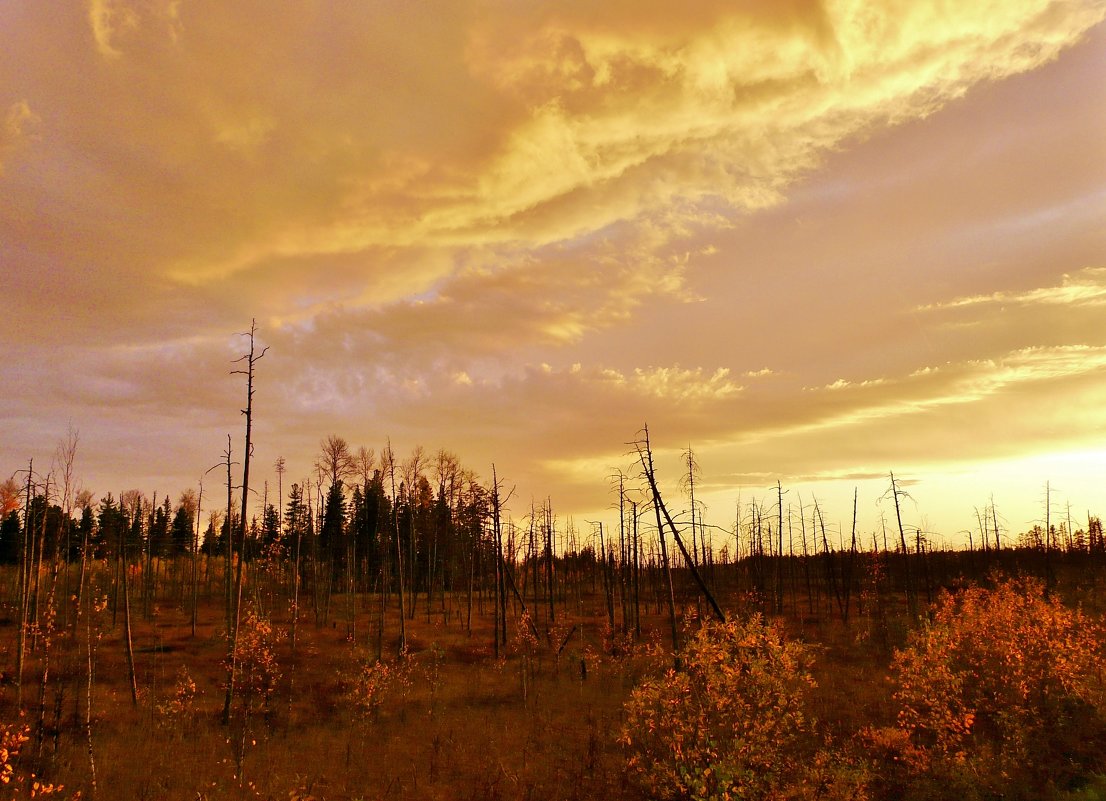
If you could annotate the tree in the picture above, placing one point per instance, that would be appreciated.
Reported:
(181, 533)
(332, 531)
(86, 528)
(110, 523)
(184, 523)
(10, 504)
(295, 512)
(9, 538)
(270, 526)
(335, 460)
(65, 456)
(251, 358)
(10, 497)
(162, 519)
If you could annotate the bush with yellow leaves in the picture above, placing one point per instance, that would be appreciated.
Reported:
(255, 655)
(733, 722)
(373, 681)
(178, 709)
(1006, 686)
(13, 783)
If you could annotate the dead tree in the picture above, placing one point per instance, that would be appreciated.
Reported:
(645, 454)
(911, 598)
(388, 461)
(250, 360)
(66, 455)
(127, 641)
(26, 562)
(549, 554)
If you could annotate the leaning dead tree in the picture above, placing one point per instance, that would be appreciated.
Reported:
(645, 455)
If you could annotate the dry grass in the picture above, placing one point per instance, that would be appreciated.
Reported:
(462, 725)
(467, 726)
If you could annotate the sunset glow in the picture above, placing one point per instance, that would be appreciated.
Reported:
(816, 241)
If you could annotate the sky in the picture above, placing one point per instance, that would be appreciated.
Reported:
(815, 242)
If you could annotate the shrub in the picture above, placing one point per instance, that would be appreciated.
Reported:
(373, 681)
(179, 708)
(732, 723)
(1007, 684)
(12, 739)
(13, 783)
(255, 653)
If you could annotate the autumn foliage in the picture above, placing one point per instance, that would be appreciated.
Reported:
(1001, 693)
(255, 653)
(732, 723)
(374, 681)
(1005, 687)
(15, 784)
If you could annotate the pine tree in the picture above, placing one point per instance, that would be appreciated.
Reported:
(181, 531)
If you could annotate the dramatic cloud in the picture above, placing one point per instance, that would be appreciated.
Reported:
(522, 230)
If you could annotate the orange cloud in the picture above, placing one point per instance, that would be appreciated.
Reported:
(423, 204)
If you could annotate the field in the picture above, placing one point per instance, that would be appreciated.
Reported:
(341, 714)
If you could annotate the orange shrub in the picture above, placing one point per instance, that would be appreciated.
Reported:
(255, 653)
(13, 784)
(732, 724)
(12, 739)
(180, 706)
(1006, 685)
(373, 682)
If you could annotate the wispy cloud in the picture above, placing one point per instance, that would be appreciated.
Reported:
(17, 122)
(1086, 287)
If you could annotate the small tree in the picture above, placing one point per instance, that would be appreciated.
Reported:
(256, 677)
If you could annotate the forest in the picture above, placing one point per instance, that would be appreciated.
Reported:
(397, 627)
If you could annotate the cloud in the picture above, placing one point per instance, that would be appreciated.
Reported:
(422, 204)
(674, 384)
(109, 18)
(18, 120)
(447, 137)
(1087, 287)
(117, 25)
(857, 431)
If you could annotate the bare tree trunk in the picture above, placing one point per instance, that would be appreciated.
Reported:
(391, 458)
(779, 551)
(911, 599)
(806, 562)
(25, 563)
(129, 647)
(847, 579)
(196, 557)
(500, 582)
(251, 360)
(608, 591)
(549, 555)
(148, 583)
(472, 577)
(227, 557)
(637, 570)
(90, 674)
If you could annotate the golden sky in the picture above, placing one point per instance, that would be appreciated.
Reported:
(815, 240)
